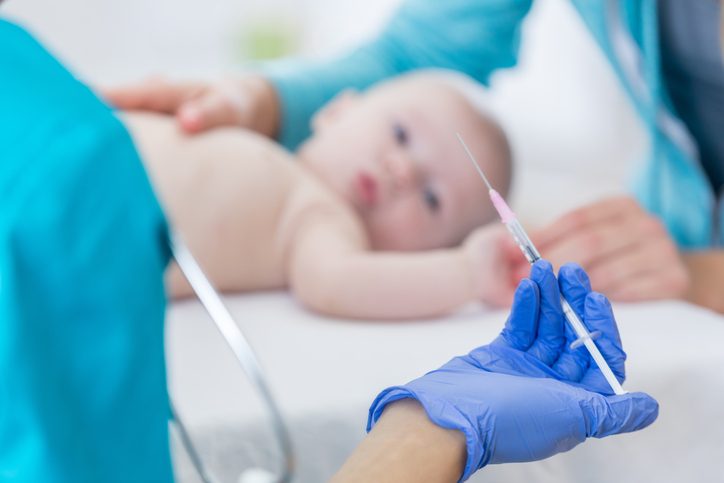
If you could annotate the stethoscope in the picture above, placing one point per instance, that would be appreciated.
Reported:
(237, 342)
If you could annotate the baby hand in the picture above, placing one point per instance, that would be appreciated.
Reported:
(491, 265)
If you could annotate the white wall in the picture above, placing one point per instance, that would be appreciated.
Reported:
(569, 121)
(109, 41)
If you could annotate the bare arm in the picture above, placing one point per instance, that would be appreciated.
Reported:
(706, 270)
(406, 447)
(333, 273)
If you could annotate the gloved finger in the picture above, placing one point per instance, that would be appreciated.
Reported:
(216, 108)
(573, 364)
(522, 325)
(550, 337)
(598, 316)
(607, 415)
(575, 286)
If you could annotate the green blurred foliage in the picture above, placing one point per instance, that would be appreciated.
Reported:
(267, 38)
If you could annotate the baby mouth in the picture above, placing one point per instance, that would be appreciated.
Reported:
(365, 187)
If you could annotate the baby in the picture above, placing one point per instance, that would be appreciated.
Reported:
(373, 218)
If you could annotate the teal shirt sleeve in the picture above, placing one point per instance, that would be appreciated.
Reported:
(83, 247)
(474, 37)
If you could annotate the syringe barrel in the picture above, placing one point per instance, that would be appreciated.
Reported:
(583, 334)
(523, 241)
(532, 255)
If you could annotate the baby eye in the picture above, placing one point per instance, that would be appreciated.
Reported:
(401, 135)
(432, 200)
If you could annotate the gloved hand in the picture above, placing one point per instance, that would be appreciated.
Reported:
(527, 395)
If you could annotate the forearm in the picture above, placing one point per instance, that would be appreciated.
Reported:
(387, 285)
(706, 269)
(471, 37)
(405, 446)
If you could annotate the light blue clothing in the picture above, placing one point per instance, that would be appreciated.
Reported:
(476, 37)
(82, 254)
(693, 67)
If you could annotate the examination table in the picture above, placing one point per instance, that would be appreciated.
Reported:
(325, 373)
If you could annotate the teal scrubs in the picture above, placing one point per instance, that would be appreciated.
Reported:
(82, 254)
(476, 37)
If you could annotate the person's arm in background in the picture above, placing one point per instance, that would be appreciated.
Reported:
(473, 37)
(706, 272)
(630, 256)
(627, 251)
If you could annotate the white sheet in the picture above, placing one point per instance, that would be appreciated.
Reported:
(325, 373)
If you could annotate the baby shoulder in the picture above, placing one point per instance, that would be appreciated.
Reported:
(313, 210)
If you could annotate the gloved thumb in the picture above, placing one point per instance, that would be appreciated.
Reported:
(599, 318)
(521, 327)
(574, 285)
(607, 415)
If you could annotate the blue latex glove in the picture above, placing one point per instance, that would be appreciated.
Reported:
(527, 395)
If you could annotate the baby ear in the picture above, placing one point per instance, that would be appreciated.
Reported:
(335, 108)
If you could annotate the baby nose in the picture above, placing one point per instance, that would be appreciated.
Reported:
(402, 169)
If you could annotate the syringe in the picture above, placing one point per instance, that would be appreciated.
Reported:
(531, 254)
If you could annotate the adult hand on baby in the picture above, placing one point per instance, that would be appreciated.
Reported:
(527, 395)
(627, 252)
(491, 265)
(248, 102)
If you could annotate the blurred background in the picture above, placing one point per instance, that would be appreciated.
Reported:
(574, 134)
(575, 138)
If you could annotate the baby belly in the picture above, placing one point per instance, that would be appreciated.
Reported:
(246, 268)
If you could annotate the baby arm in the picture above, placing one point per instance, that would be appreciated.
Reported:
(331, 271)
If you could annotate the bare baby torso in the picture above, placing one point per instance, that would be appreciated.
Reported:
(235, 197)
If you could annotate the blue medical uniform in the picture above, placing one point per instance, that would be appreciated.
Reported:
(82, 254)
(477, 37)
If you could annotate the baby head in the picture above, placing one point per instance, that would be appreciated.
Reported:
(391, 152)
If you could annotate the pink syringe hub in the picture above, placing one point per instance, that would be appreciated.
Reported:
(506, 214)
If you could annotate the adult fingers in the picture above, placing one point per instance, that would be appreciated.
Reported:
(614, 272)
(668, 283)
(550, 337)
(575, 287)
(598, 317)
(605, 240)
(522, 325)
(587, 215)
(607, 415)
(657, 260)
(221, 105)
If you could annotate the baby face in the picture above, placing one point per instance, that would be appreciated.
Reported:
(393, 155)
